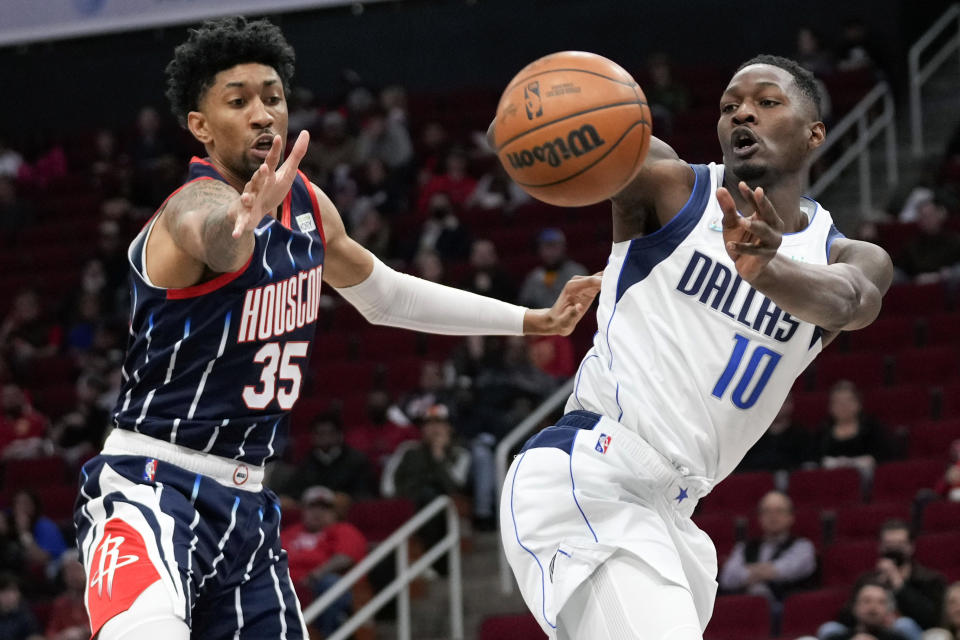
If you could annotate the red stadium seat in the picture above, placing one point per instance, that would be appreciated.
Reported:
(930, 439)
(722, 530)
(900, 481)
(377, 519)
(35, 472)
(915, 299)
(903, 404)
(942, 516)
(939, 550)
(863, 522)
(866, 370)
(804, 612)
(739, 617)
(57, 501)
(518, 627)
(825, 488)
(941, 329)
(927, 364)
(843, 562)
(738, 493)
(950, 400)
(810, 408)
(884, 335)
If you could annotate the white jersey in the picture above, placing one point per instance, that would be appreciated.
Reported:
(687, 355)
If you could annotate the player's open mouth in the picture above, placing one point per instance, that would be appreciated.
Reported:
(261, 147)
(744, 142)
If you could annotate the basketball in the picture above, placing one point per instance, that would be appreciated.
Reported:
(572, 128)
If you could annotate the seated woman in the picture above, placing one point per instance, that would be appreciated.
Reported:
(851, 438)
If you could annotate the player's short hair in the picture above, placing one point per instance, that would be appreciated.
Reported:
(806, 82)
(220, 44)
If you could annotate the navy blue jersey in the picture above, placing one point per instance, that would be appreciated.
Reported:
(217, 367)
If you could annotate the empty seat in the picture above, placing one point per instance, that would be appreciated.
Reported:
(913, 299)
(377, 519)
(941, 329)
(939, 551)
(927, 364)
(942, 516)
(738, 493)
(903, 404)
(804, 612)
(721, 528)
(35, 472)
(885, 334)
(825, 488)
(515, 627)
(843, 562)
(863, 522)
(900, 481)
(866, 370)
(929, 439)
(810, 408)
(739, 617)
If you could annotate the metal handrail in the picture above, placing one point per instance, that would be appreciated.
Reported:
(400, 586)
(502, 453)
(866, 131)
(919, 76)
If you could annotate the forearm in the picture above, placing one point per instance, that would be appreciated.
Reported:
(339, 563)
(835, 297)
(222, 252)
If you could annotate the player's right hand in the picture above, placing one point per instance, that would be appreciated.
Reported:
(268, 187)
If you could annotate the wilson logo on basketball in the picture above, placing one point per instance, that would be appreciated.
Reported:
(577, 143)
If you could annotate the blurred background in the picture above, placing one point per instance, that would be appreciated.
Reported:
(397, 96)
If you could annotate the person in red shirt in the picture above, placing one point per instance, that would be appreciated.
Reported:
(454, 181)
(22, 428)
(68, 617)
(319, 550)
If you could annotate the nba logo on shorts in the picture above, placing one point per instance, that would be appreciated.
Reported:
(150, 470)
(603, 443)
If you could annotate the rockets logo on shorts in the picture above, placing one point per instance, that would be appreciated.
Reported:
(150, 470)
(603, 443)
(119, 571)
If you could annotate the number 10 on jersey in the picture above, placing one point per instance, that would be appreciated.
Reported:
(760, 358)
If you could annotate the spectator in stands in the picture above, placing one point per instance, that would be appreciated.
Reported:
(428, 265)
(496, 191)
(486, 276)
(23, 429)
(778, 562)
(386, 139)
(12, 554)
(544, 283)
(16, 620)
(148, 147)
(811, 55)
(332, 463)
(433, 388)
(442, 231)
(666, 96)
(79, 433)
(851, 438)
(949, 628)
(85, 315)
(68, 617)
(552, 355)
(874, 618)
(320, 549)
(452, 180)
(434, 147)
(10, 160)
(385, 429)
(27, 333)
(15, 213)
(333, 148)
(784, 445)
(949, 485)
(380, 188)
(41, 538)
(857, 50)
(934, 253)
(112, 252)
(302, 111)
(111, 169)
(433, 467)
(373, 231)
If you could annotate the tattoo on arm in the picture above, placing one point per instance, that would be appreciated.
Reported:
(201, 223)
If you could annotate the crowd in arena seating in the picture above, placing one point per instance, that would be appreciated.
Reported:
(404, 416)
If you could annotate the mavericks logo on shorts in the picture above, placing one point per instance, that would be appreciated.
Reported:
(603, 443)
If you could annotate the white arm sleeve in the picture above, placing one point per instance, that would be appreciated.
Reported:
(398, 300)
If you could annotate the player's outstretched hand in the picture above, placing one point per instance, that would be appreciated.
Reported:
(563, 316)
(268, 187)
(751, 240)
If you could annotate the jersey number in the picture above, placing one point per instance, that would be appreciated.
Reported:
(272, 359)
(761, 357)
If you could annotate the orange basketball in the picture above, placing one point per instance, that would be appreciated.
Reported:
(572, 128)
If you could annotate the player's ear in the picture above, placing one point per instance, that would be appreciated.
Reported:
(199, 127)
(818, 133)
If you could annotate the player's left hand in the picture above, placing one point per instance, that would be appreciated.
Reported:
(751, 240)
(563, 316)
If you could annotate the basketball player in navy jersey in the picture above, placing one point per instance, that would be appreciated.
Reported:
(178, 537)
(723, 284)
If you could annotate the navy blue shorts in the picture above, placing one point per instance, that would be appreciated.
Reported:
(215, 548)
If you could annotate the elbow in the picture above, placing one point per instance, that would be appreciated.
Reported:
(857, 307)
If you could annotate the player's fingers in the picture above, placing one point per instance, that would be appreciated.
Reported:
(299, 148)
(749, 249)
(241, 223)
(747, 193)
(729, 208)
(762, 231)
(765, 209)
(273, 156)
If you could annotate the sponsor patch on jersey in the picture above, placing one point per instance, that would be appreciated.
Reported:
(240, 474)
(716, 224)
(305, 222)
(603, 442)
(150, 470)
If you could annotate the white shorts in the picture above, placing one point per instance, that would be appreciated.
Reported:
(589, 487)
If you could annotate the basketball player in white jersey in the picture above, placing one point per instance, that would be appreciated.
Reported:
(723, 284)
